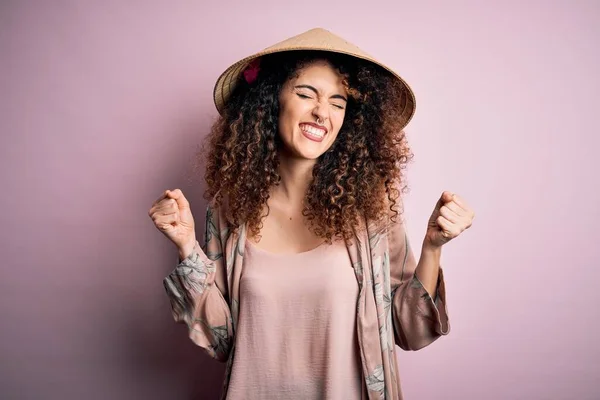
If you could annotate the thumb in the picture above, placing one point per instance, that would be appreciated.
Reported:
(178, 196)
(447, 196)
(444, 198)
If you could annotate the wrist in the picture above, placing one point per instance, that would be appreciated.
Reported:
(186, 249)
(431, 249)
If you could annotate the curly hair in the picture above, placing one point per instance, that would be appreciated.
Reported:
(360, 176)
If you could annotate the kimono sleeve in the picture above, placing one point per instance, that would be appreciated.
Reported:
(197, 290)
(418, 319)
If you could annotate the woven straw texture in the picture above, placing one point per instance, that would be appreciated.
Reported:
(315, 39)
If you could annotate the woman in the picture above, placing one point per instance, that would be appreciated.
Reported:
(306, 280)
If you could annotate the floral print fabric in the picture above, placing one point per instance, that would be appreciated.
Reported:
(393, 306)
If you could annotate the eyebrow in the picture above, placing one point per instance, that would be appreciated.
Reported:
(335, 96)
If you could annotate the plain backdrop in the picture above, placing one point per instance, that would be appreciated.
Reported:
(103, 105)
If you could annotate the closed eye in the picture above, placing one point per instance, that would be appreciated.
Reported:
(303, 96)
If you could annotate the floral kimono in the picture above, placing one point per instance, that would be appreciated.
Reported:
(393, 307)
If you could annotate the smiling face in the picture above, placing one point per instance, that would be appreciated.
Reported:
(312, 106)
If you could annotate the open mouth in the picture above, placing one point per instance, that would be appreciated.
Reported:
(313, 132)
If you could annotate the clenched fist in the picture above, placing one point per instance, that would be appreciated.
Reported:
(451, 216)
(172, 216)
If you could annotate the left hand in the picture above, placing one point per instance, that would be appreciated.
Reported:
(450, 217)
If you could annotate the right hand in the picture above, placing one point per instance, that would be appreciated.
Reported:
(172, 216)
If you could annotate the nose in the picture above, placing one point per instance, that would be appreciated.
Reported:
(320, 112)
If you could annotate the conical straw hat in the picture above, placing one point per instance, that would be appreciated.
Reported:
(315, 39)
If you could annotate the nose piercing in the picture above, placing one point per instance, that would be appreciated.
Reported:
(320, 121)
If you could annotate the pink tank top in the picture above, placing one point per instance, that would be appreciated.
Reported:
(296, 336)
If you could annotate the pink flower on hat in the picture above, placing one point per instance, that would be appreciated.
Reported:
(251, 71)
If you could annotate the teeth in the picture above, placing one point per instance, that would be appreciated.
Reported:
(313, 131)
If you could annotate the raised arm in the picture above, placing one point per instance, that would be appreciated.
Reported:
(197, 287)
(418, 318)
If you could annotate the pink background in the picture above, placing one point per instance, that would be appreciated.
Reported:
(102, 105)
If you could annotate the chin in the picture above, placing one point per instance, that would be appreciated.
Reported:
(312, 156)
(305, 152)
(311, 153)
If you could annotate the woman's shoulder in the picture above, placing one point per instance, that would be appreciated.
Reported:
(391, 218)
(217, 209)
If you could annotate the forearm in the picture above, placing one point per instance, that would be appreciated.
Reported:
(187, 249)
(428, 268)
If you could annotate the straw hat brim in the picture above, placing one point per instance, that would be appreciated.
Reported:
(317, 39)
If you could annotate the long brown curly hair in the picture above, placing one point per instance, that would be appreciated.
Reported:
(360, 176)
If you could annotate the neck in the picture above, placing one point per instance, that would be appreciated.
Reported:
(296, 176)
